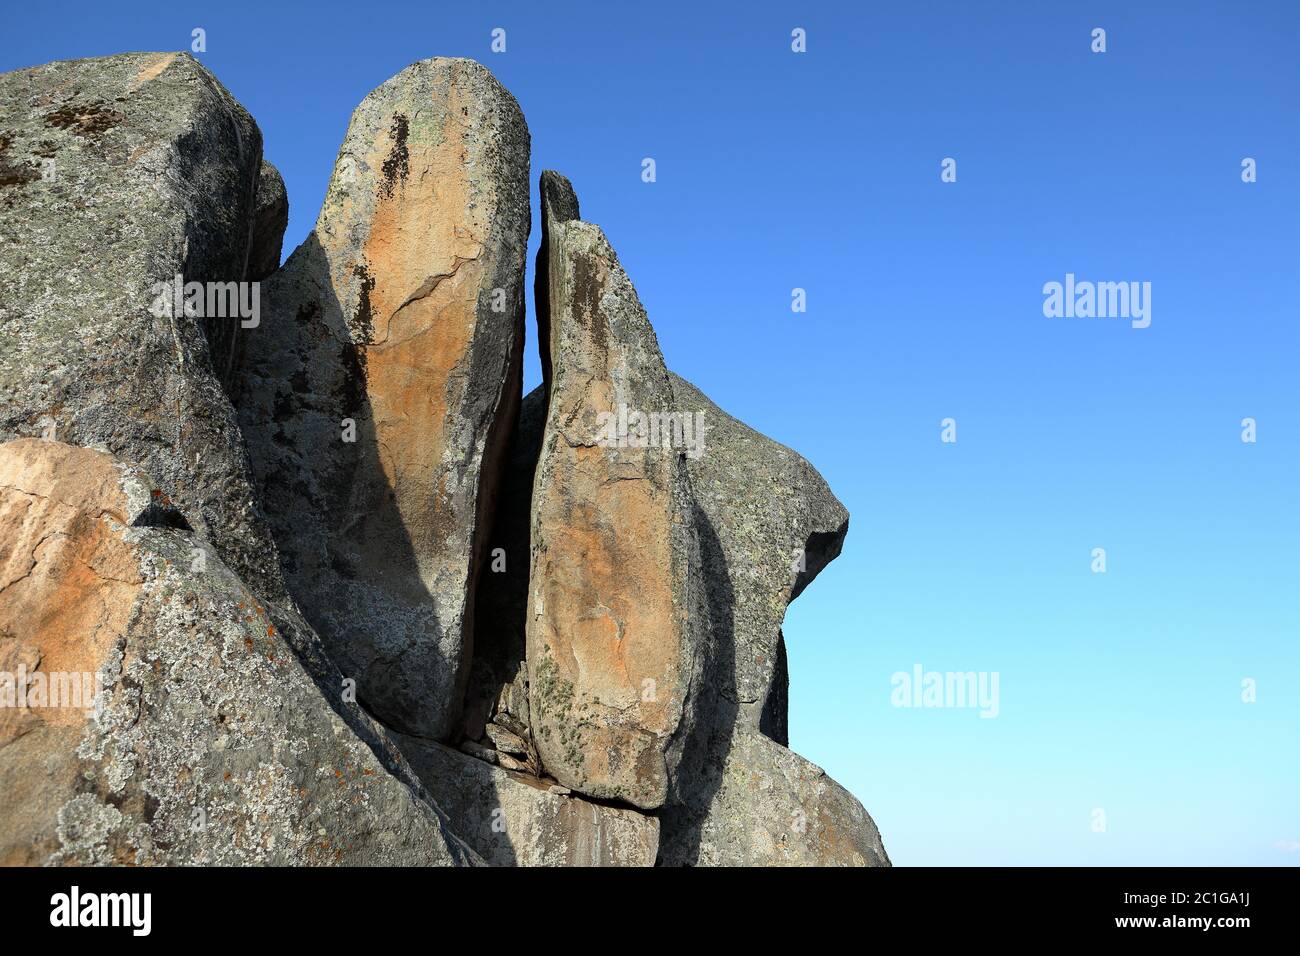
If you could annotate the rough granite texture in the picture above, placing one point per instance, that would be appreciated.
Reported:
(615, 629)
(270, 217)
(498, 688)
(378, 524)
(768, 524)
(773, 808)
(118, 173)
(208, 742)
(400, 317)
(513, 819)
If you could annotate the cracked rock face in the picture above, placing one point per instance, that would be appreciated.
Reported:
(614, 633)
(116, 174)
(514, 819)
(203, 739)
(377, 393)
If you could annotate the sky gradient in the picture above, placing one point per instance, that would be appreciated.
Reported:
(1119, 691)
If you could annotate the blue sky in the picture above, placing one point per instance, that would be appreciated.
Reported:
(1118, 691)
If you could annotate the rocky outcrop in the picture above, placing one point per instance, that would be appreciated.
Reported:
(773, 808)
(125, 172)
(270, 217)
(170, 718)
(515, 819)
(377, 396)
(768, 525)
(614, 640)
(564, 613)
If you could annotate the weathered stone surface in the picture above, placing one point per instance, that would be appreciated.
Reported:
(772, 525)
(773, 808)
(498, 685)
(768, 523)
(117, 174)
(270, 217)
(204, 740)
(511, 819)
(614, 630)
(402, 314)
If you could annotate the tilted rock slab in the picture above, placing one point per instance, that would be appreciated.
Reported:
(153, 712)
(117, 174)
(768, 524)
(378, 391)
(512, 819)
(614, 632)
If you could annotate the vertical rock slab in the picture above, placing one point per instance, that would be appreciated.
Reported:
(615, 636)
(379, 389)
(153, 714)
(117, 174)
(513, 819)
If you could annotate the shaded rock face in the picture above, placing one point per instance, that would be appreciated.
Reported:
(581, 593)
(759, 524)
(773, 808)
(116, 174)
(270, 217)
(377, 394)
(203, 740)
(498, 688)
(614, 637)
(512, 819)
(768, 525)
(774, 524)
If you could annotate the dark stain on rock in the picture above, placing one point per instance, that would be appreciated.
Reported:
(90, 120)
(363, 321)
(587, 288)
(14, 174)
(398, 164)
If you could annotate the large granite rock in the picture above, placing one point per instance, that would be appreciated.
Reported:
(771, 524)
(207, 741)
(377, 393)
(773, 808)
(117, 174)
(768, 524)
(514, 819)
(270, 217)
(615, 636)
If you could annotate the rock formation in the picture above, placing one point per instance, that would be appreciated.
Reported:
(131, 170)
(615, 629)
(376, 395)
(186, 731)
(328, 590)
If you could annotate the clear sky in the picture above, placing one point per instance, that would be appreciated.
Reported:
(1119, 692)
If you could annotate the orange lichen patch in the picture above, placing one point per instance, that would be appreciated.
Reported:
(68, 581)
(422, 261)
(152, 71)
(607, 616)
